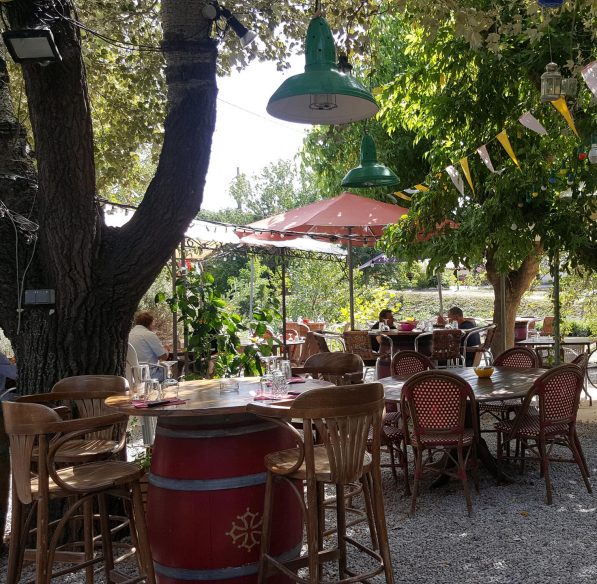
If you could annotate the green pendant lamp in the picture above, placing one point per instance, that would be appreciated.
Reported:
(322, 94)
(369, 173)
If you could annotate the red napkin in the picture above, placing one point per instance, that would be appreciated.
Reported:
(269, 397)
(173, 401)
(297, 380)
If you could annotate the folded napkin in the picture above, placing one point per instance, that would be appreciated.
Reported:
(173, 401)
(297, 380)
(269, 397)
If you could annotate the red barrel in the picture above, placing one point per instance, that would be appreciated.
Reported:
(205, 501)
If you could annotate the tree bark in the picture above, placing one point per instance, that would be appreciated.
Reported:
(100, 273)
(517, 283)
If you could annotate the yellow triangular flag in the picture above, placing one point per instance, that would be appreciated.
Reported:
(422, 188)
(467, 173)
(403, 196)
(505, 142)
(560, 105)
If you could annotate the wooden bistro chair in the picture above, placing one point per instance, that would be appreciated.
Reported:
(436, 403)
(484, 349)
(446, 347)
(558, 391)
(341, 418)
(37, 480)
(337, 368)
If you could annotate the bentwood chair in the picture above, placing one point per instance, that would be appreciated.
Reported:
(359, 342)
(337, 368)
(434, 406)
(484, 349)
(554, 424)
(341, 418)
(38, 480)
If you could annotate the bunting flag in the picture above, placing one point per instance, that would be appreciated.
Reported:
(467, 173)
(411, 191)
(482, 152)
(560, 105)
(589, 74)
(528, 120)
(505, 142)
(403, 196)
(456, 178)
(422, 188)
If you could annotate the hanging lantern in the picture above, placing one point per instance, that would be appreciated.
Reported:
(593, 151)
(551, 83)
(322, 94)
(369, 173)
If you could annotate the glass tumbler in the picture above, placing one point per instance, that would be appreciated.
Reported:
(279, 384)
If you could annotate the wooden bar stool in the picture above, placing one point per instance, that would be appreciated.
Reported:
(342, 421)
(36, 481)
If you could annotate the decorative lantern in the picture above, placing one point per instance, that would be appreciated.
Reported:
(551, 83)
(593, 151)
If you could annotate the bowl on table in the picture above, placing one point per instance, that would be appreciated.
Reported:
(407, 325)
(484, 372)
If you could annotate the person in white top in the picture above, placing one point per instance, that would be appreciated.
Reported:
(146, 343)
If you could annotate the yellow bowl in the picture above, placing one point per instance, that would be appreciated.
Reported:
(483, 372)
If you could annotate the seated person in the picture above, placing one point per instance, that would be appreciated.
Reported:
(385, 315)
(8, 370)
(146, 343)
(455, 314)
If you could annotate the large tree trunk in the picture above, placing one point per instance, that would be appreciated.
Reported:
(517, 283)
(100, 273)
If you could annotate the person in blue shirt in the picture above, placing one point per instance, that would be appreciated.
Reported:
(8, 370)
(455, 314)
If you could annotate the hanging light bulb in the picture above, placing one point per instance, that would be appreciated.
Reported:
(551, 83)
(322, 94)
(369, 173)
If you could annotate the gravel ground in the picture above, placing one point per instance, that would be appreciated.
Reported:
(513, 537)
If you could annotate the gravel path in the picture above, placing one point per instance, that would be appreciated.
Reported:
(513, 537)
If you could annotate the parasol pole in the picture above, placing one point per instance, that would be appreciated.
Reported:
(438, 274)
(350, 280)
(555, 266)
(283, 257)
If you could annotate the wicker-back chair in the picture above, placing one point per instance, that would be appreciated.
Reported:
(558, 391)
(446, 347)
(410, 362)
(37, 433)
(547, 328)
(342, 419)
(436, 403)
(359, 343)
(517, 357)
(338, 368)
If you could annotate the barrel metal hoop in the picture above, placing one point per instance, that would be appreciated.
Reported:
(237, 482)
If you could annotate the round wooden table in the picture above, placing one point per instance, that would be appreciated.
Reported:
(207, 484)
(505, 383)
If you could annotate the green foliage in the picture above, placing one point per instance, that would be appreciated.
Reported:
(368, 304)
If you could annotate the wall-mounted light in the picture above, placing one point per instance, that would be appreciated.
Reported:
(34, 45)
(213, 11)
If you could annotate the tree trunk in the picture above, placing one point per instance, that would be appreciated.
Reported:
(99, 273)
(517, 283)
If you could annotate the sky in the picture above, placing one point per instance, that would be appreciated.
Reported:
(246, 136)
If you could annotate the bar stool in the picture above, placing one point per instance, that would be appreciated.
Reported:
(341, 420)
(36, 481)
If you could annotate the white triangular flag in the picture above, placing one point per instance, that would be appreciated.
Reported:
(482, 152)
(456, 178)
(528, 120)
(589, 74)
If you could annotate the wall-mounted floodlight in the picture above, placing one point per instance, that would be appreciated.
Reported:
(213, 11)
(33, 45)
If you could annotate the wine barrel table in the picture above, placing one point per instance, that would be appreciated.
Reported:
(207, 485)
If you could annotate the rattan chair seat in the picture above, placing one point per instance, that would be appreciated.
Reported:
(530, 427)
(280, 462)
(391, 418)
(507, 405)
(430, 439)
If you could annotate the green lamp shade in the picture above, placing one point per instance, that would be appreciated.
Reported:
(322, 94)
(369, 173)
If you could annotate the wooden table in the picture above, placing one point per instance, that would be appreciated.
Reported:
(505, 383)
(547, 342)
(401, 340)
(207, 484)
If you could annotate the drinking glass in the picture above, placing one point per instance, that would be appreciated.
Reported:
(265, 384)
(228, 385)
(139, 375)
(286, 368)
(279, 384)
(153, 390)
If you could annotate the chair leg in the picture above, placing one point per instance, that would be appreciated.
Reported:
(464, 479)
(341, 529)
(266, 528)
(405, 468)
(367, 496)
(581, 454)
(138, 523)
(312, 531)
(321, 514)
(418, 472)
(88, 537)
(545, 470)
(579, 458)
(380, 524)
(17, 541)
(42, 541)
(106, 536)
